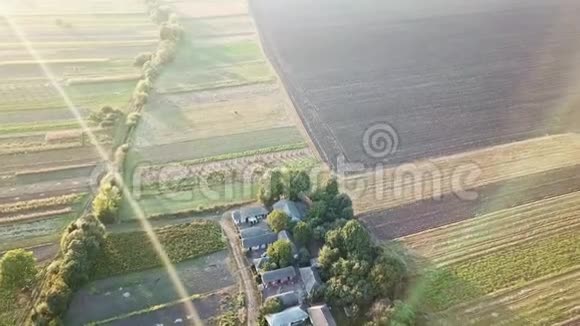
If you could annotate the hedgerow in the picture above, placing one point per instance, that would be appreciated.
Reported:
(130, 252)
(79, 246)
(515, 265)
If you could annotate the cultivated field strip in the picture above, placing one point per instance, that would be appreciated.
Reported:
(177, 171)
(496, 231)
(429, 214)
(544, 301)
(422, 180)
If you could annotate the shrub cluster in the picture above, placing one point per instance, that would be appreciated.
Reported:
(79, 246)
(130, 252)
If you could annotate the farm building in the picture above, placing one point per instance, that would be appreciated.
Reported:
(294, 210)
(250, 214)
(288, 299)
(321, 316)
(288, 317)
(278, 276)
(311, 279)
(254, 231)
(259, 242)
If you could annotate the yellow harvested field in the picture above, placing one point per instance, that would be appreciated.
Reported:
(492, 232)
(544, 301)
(427, 179)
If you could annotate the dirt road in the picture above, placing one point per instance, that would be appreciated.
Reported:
(252, 297)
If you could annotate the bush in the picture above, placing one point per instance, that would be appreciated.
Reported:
(106, 203)
(17, 269)
(142, 58)
(133, 118)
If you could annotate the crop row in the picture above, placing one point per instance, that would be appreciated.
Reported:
(36, 204)
(492, 232)
(450, 285)
(425, 179)
(544, 301)
(131, 252)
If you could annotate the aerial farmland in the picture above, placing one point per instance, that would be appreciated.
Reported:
(480, 91)
(416, 162)
(47, 160)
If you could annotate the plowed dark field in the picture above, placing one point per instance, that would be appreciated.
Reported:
(429, 214)
(449, 76)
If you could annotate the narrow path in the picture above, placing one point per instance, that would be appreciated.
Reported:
(252, 297)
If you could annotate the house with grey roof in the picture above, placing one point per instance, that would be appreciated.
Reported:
(310, 279)
(321, 316)
(288, 299)
(254, 231)
(249, 214)
(295, 211)
(278, 276)
(288, 317)
(259, 242)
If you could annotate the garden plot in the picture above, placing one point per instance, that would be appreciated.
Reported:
(450, 77)
(207, 306)
(35, 96)
(428, 214)
(108, 298)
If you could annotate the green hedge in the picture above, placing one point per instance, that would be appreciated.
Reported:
(133, 251)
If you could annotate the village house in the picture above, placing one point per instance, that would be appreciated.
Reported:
(278, 276)
(249, 214)
(310, 279)
(296, 211)
(288, 299)
(321, 316)
(288, 317)
(259, 242)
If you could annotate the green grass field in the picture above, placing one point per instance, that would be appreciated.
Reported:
(169, 203)
(205, 66)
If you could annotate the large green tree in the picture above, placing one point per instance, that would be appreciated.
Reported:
(271, 187)
(302, 233)
(298, 181)
(106, 203)
(17, 269)
(280, 253)
(278, 221)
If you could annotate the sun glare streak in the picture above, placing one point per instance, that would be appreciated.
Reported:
(171, 271)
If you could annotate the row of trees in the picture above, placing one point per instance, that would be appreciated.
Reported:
(79, 246)
(279, 183)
